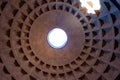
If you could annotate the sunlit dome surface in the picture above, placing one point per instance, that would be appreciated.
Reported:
(57, 38)
(91, 5)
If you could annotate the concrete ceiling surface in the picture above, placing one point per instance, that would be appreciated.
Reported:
(91, 53)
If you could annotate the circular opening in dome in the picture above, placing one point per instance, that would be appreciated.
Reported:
(57, 38)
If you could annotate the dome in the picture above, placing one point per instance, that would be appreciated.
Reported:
(31, 30)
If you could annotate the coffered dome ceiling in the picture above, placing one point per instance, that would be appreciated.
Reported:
(91, 53)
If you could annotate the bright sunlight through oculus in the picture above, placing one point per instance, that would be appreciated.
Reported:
(57, 38)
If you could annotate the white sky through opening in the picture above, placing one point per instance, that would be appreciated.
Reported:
(57, 38)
